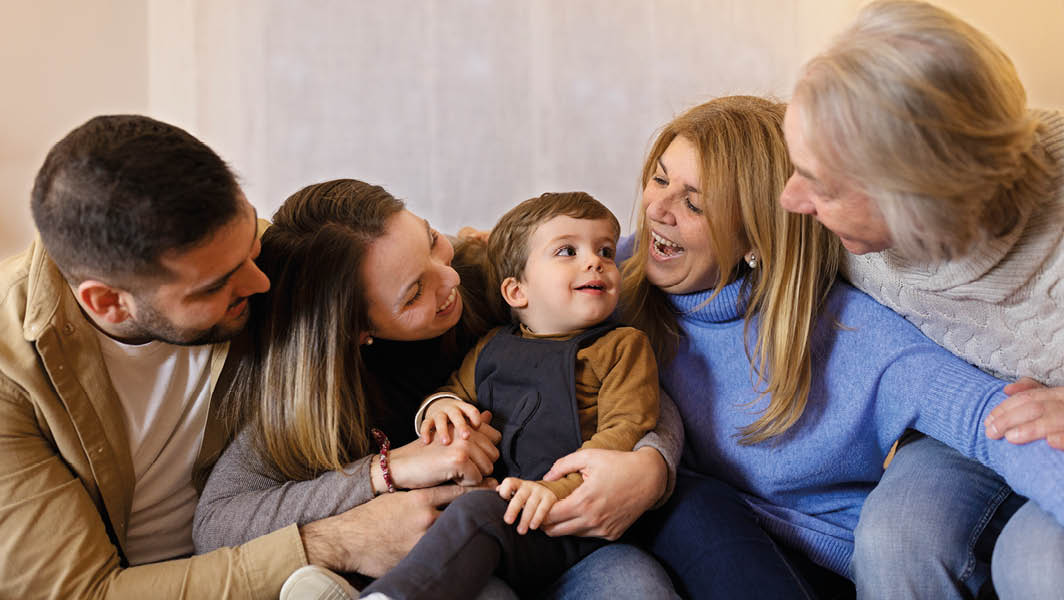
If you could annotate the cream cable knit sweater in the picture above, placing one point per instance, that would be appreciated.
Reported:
(1000, 308)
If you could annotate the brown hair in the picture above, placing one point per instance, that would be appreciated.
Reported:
(507, 249)
(744, 168)
(301, 388)
(120, 191)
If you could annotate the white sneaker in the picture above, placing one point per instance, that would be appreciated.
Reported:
(316, 583)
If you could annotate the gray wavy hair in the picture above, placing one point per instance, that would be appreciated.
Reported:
(928, 116)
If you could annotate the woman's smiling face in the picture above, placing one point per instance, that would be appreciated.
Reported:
(680, 258)
(412, 291)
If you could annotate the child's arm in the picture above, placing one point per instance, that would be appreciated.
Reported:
(529, 498)
(454, 403)
(627, 398)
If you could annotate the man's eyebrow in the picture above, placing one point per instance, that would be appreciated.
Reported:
(224, 278)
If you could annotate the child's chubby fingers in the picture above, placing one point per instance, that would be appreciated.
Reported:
(542, 509)
(528, 511)
(512, 489)
(470, 414)
(428, 428)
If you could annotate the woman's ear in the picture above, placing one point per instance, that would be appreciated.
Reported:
(513, 293)
(103, 302)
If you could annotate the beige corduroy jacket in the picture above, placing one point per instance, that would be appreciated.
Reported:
(66, 476)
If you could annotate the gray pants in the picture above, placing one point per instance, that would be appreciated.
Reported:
(468, 543)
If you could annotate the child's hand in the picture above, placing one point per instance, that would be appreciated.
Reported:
(529, 498)
(445, 413)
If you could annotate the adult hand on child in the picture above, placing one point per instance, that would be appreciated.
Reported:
(466, 460)
(373, 537)
(1031, 412)
(532, 500)
(618, 487)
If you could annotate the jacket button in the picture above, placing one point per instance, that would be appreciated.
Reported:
(68, 328)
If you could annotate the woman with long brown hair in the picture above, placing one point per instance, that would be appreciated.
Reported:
(367, 315)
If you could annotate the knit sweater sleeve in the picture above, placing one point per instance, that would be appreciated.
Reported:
(949, 400)
(243, 500)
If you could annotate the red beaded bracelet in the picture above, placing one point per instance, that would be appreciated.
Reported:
(385, 445)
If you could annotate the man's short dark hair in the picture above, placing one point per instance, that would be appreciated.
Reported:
(119, 191)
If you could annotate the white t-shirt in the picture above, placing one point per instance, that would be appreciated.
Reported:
(165, 395)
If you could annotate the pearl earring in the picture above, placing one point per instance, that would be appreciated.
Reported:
(369, 341)
(751, 259)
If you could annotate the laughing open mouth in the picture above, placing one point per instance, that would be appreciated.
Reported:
(449, 301)
(663, 247)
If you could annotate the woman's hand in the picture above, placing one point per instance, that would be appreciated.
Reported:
(1032, 412)
(465, 460)
(618, 487)
(527, 498)
(448, 413)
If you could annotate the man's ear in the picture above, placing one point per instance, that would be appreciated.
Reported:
(513, 293)
(104, 302)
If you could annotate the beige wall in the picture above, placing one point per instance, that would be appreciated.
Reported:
(463, 107)
(61, 62)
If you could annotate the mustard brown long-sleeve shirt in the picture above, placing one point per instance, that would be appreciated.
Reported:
(616, 391)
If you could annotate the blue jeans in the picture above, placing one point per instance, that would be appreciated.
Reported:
(619, 571)
(928, 528)
(1028, 559)
(710, 540)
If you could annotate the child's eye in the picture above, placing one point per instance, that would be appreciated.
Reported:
(606, 252)
(565, 251)
(691, 207)
(658, 179)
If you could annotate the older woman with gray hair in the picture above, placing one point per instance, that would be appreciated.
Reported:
(912, 141)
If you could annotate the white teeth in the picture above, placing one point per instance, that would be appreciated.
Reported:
(449, 301)
(660, 240)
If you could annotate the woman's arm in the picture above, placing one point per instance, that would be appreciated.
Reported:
(243, 499)
(618, 486)
(952, 406)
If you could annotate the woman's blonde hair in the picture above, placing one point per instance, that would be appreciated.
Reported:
(928, 116)
(744, 167)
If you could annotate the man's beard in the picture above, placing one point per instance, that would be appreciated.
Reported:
(151, 324)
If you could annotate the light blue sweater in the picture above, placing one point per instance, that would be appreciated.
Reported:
(872, 379)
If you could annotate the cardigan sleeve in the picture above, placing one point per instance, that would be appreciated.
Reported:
(243, 500)
(949, 400)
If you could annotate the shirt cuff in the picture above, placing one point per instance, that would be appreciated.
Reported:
(419, 416)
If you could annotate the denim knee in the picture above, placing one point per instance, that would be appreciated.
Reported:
(1028, 556)
(918, 528)
(617, 571)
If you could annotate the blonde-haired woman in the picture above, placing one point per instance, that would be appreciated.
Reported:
(913, 142)
(792, 386)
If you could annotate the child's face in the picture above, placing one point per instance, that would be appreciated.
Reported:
(571, 280)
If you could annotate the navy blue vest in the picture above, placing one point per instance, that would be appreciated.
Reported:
(529, 386)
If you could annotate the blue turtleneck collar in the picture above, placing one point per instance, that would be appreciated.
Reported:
(726, 306)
